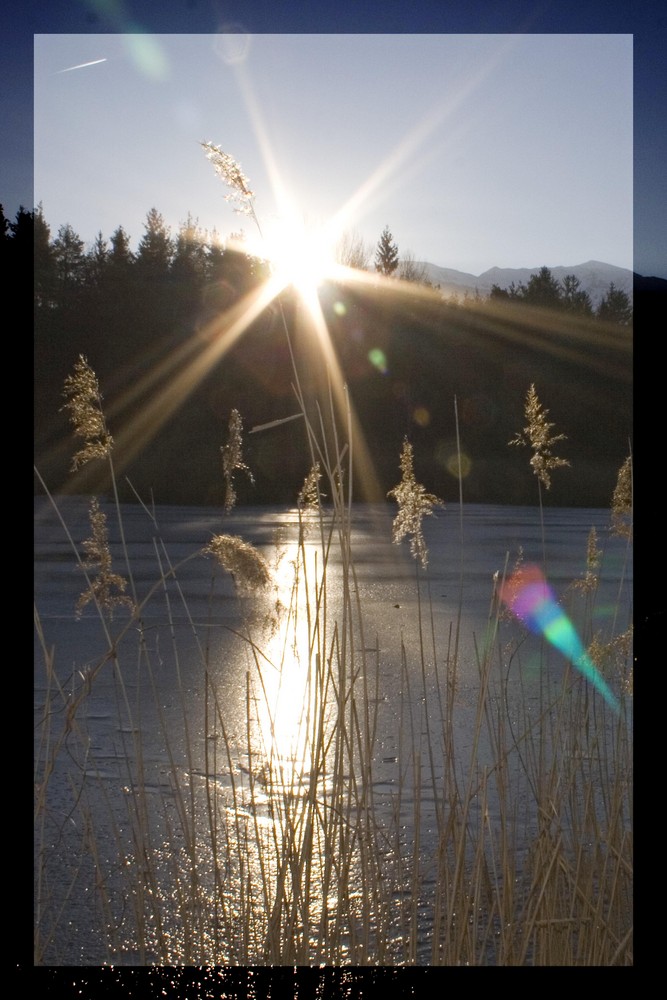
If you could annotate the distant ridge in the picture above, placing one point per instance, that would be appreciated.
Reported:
(595, 277)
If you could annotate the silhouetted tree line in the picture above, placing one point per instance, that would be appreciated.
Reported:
(545, 291)
(157, 325)
(142, 318)
(186, 263)
(64, 270)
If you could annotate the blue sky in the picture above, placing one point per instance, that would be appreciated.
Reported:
(496, 149)
(476, 150)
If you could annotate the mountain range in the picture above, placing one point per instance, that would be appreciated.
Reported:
(594, 275)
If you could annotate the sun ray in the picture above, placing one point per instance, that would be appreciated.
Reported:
(167, 384)
(301, 258)
(218, 338)
(362, 460)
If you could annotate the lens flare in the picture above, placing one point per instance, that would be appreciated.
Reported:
(451, 457)
(378, 358)
(528, 596)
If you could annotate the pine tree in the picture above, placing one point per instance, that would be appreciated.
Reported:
(69, 258)
(543, 290)
(215, 254)
(155, 250)
(386, 253)
(121, 257)
(575, 299)
(189, 261)
(97, 260)
(188, 268)
(615, 307)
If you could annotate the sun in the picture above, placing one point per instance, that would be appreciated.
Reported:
(302, 255)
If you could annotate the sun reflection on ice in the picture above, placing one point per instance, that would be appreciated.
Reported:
(289, 690)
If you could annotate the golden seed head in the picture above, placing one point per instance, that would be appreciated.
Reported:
(414, 503)
(537, 434)
(84, 402)
(106, 588)
(621, 504)
(227, 168)
(247, 566)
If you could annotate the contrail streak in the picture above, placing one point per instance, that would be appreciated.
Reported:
(82, 65)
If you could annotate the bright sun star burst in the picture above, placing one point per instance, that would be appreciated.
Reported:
(301, 255)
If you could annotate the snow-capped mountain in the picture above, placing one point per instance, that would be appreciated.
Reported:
(594, 275)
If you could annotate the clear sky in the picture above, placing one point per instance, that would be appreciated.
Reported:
(476, 150)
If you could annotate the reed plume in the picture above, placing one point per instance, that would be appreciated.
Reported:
(309, 495)
(414, 503)
(537, 434)
(106, 588)
(232, 459)
(593, 561)
(621, 504)
(84, 402)
(227, 168)
(248, 568)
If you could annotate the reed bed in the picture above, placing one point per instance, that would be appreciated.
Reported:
(493, 831)
(270, 805)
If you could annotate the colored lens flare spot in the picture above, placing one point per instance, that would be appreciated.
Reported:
(421, 416)
(456, 462)
(530, 598)
(378, 359)
(459, 465)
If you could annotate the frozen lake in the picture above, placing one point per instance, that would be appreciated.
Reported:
(189, 745)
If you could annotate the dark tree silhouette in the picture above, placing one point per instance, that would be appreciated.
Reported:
(129, 315)
(615, 307)
(69, 259)
(543, 290)
(97, 261)
(189, 260)
(574, 298)
(511, 292)
(188, 269)
(155, 251)
(4, 226)
(32, 239)
(386, 253)
(215, 255)
(121, 257)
